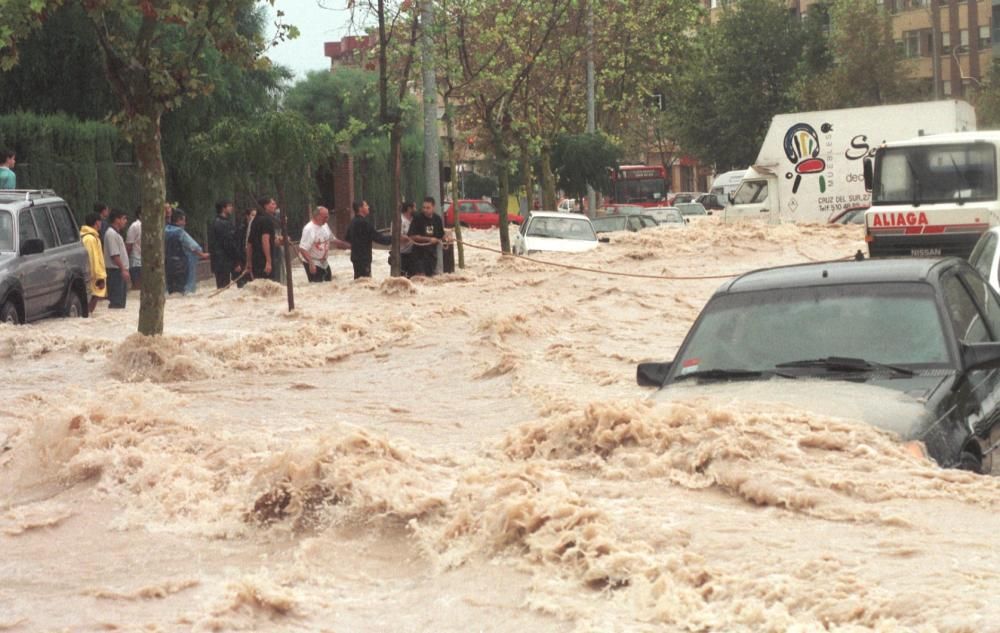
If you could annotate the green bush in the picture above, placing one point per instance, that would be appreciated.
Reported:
(83, 161)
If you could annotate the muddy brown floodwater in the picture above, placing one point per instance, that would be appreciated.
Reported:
(467, 453)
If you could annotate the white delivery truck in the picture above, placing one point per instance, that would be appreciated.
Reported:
(932, 195)
(810, 166)
(726, 184)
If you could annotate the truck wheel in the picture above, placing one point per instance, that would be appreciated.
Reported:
(8, 313)
(74, 305)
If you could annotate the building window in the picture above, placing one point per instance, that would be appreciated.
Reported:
(984, 36)
(917, 4)
(946, 87)
(963, 38)
(945, 43)
(911, 43)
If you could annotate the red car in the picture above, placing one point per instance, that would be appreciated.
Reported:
(477, 214)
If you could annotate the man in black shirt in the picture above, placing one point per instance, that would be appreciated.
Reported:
(426, 232)
(260, 246)
(361, 235)
(224, 245)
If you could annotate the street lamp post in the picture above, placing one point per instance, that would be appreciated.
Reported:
(961, 73)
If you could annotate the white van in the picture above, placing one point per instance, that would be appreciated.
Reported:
(811, 165)
(726, 184)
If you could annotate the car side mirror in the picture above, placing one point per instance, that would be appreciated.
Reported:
(652, 374)
(976, 356)
(604, 240)
(32, 246)
(731, 198)
(869, 174)
(687, 220)
(709, 212)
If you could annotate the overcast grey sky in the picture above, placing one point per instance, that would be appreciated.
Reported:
(317, 25)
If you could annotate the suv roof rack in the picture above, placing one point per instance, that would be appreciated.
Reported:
(27, 195)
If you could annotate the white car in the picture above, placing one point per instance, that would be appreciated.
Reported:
(556, 232)
(985, 256)
(568, 205)
(671, 216)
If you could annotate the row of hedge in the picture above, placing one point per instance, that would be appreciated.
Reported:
(90, 161)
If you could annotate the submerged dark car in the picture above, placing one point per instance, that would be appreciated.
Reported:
(911, 346)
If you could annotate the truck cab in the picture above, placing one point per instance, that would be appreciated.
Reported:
(932, 195)
(755, 198)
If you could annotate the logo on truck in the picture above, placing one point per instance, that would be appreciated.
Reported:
(899, 219)
(802, 149)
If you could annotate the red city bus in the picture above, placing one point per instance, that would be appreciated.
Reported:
(643, 185)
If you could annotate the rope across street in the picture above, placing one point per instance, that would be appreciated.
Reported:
(611, 273)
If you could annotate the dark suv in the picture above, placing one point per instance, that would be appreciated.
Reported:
(44, 267)
(911, 346)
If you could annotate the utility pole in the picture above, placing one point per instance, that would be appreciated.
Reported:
(591, 117)
(935, 47)
(432, 152)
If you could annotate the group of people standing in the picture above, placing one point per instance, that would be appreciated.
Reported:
(419, 239)
(115, 256)
(251, 248)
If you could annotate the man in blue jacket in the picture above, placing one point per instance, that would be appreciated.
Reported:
(182, 256)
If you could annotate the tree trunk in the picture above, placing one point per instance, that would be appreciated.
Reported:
(395, 169)
(504, 179)
(548, 181)
(452, 160)
(529, 181)
(152, 197)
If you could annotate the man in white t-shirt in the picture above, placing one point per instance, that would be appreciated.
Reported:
(314, 247)
(133, 244)
(116, 262)
(405, 243)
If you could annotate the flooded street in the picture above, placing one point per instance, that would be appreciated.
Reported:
(465, 453)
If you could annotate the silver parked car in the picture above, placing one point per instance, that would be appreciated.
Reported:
(44, 267)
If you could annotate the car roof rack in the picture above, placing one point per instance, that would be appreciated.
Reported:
(28, 195)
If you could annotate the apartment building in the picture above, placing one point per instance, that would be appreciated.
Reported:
(965, 47)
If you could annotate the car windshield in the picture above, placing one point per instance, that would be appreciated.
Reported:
(691, 208)
(610, 223)
(895, 324)
(6, 232)
(563, 228)
(666, 216)
(640, 190)
(751, 192)
(935, 173)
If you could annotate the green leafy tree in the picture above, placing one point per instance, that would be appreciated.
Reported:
(637, 46)
(987, 101)
(154, 54)
(738, 73)
(396, 31)
(231, 150)
(862, 65)
(348, 102)
(497, 44)
(585, 159)
(64, 52)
